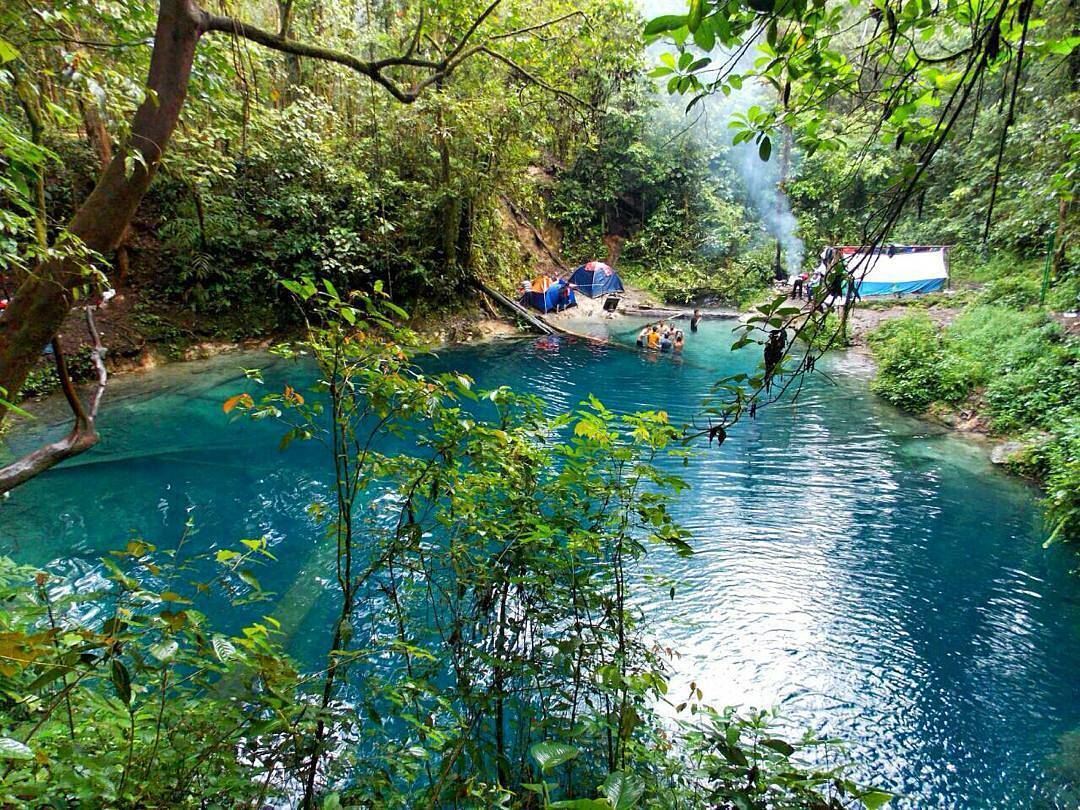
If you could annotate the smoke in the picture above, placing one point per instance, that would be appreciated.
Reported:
(761, 180)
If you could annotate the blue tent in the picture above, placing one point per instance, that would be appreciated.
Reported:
(596, 279)
(545, 295)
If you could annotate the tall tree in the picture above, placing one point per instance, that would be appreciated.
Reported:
(43, 300)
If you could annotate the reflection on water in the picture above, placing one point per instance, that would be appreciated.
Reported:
(868, 574)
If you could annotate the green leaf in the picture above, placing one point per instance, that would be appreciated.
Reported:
(765, 148)
(623, 789)
(223, 648)
(668, 22)
(704, 37)
(9, 52)
(250, 579)
(121, 680)
(551, 754)
(697, 12)
(13, 749)
(164, 650)
(874, 799)
(581, 804)
(780, 747)
(47, 677)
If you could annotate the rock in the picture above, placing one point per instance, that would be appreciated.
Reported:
(1003, 453)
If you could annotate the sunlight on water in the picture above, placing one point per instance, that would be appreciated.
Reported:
(874, 578)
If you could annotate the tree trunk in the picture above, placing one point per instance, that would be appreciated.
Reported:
(292, 61)
(98, 136)
(43, 300)
(614, 243)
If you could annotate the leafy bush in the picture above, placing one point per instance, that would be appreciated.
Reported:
(1058, 462)
(917, 366)
(43, 379)
(126, 696)
(736, 283)
(993, 339)
(1064, 296)
(484, 627)
(1018, 292)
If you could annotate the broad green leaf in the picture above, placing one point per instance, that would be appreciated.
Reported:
(697, 11)
(551, 754)
(704, 37)
(13, 749)
(121, 680)
(164, 650)
(780, 746)
(223, 648)
(875, 799)
(9, 51)
(765, 148)
(668, 22)
(623, 789)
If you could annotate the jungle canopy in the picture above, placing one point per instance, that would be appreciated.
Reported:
(894, 270)
(595, 279)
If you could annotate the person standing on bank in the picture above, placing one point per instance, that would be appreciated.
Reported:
(694, 321)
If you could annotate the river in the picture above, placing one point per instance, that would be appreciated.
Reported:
(867, 573)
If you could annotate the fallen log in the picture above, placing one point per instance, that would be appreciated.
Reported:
(513, 306)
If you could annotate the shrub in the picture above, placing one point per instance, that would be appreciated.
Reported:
(994, 338)
(735, 283)
(1058, 462)
(1019, 292)
(918, 365)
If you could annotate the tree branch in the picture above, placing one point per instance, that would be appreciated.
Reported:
(524, 74)
(83, 434)
(529, 29)
(373, 70)
(440, 70)
(472, 30)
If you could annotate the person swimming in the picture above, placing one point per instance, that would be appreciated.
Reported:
(654, 338)
(680, 339)
(643, 337)
(694, 321)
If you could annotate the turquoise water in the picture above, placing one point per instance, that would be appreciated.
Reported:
(875, 579)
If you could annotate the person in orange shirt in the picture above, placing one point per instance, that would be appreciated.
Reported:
(654, 338)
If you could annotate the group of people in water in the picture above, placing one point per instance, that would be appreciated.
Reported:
(662, 336)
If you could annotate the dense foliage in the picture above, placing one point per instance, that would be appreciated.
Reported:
(283, 167)
(663, 202)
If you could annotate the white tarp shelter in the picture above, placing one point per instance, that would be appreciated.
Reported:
(897, 269)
